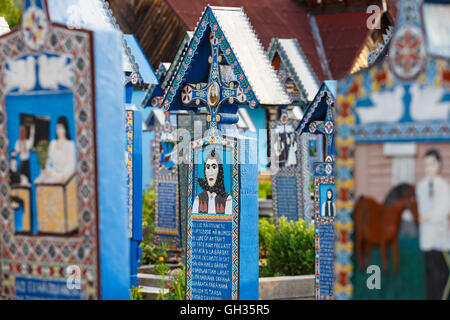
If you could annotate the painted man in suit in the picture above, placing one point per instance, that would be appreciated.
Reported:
(433, 200)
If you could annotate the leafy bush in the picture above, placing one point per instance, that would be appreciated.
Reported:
(265, 189)
(150, 254)
(286, 247)
(176, 283)
(267, 230)
(11, 10)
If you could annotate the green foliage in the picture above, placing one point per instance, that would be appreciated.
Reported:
(265, 189)
(136, 294)
(150, 254)
(12, 11)
(148, 208)
(286, 247)
(42, 152)
(176, 283)
(267, 230)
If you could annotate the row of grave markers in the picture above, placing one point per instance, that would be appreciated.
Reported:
(61, 209)
(332, 267)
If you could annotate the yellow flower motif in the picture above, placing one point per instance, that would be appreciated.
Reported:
(161, 259)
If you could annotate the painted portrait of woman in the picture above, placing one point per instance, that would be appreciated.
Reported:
(329, 206)
(61, 161)
(213, 199)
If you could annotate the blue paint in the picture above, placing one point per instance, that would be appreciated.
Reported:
(248, 235)
(212, 262)
(114, 248)
(136, 238)
(147, 138)
(114, 243)
(407, 103)
(287, 197)
(167, 213)
(326, 258)
(37, 3)
(18, 219)
(128, 93)
(258, 117)
(32, 289)
(145, 69)
(332, 86)
(50, 106)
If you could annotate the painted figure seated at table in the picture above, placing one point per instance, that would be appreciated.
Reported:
(61, 159)
(56, 187)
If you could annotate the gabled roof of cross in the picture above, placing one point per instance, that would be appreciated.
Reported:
(166, 72)
(317, 110)
(293, 58)
(89, 14)
(243, 52)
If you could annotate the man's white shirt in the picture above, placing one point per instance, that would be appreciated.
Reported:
(434, 213)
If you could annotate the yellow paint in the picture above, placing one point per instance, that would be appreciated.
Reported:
(52, 203)
(350, 120)
(376, 86)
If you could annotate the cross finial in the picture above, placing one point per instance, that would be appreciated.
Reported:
(214, 93)
(35, 24)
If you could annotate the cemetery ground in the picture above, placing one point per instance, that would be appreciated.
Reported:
(286, 258)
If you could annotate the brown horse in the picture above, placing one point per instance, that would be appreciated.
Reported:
(378, 225)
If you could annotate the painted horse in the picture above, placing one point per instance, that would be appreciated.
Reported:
(378, 224)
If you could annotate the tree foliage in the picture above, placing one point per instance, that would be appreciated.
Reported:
(11, 10)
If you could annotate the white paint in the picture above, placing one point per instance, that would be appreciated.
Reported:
(426, 105)
(399, 149)
(245, 121)
(301, 66)
(437, 28)
(4, 27)
(387, 107)
(297, 112)
(54, 71)
(21, 75)
(251, 56)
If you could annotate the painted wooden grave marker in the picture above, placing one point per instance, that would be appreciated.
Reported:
(393, 121)
(53, 199)
(221, 227)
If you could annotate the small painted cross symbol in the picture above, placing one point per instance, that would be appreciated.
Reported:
(214, 93)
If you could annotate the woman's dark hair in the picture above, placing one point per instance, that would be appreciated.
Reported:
(219, 186)
(63, 121)
(433, 153)
(332, 193)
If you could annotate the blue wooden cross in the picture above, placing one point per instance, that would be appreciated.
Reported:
(327, 128)
(214, 93)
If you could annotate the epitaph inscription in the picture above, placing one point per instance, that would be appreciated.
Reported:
(326, 258)
(286, 188)
(167, 193)
(211, 263)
